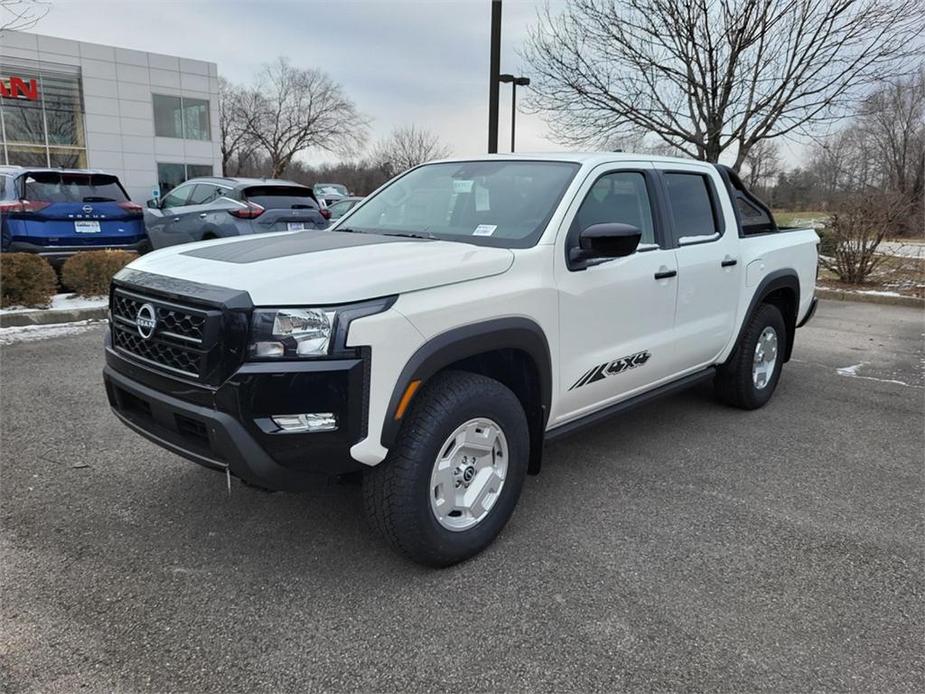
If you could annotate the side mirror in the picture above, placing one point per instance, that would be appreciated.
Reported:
(610, 240)
(152, 204)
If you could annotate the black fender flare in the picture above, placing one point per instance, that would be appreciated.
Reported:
(786, 278)
(468, 341)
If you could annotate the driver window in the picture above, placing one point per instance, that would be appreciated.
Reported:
(618, 197)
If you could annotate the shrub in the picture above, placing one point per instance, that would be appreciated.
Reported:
(828, 243)
(89, 272)
(26, 280)
(861, 223)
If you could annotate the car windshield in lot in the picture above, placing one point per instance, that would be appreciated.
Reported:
(492, 203)
(69, 187)
(281, 197)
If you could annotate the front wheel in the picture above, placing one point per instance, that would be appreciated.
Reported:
(451, 482)
(750, 376)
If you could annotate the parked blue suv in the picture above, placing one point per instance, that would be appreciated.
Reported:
(58, 212)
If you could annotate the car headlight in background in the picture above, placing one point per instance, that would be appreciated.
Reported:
(306, 333)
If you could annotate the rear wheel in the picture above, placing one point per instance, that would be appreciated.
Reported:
(452, 480)
(750, 376)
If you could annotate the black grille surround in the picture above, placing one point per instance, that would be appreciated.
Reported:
(186, 341)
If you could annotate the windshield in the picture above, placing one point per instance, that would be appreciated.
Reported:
(493, 203)
(330, 189)
(68, 187)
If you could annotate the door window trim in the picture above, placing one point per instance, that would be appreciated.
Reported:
(663, 240)
(719, 221)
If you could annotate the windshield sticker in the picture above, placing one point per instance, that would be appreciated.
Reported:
(485, 230)
(460, 186)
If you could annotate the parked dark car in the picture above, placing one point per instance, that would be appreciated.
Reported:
(342, 207)
(59, 212)
(212, 208)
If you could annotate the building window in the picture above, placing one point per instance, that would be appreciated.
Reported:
(44, 127)
(181, 117)
(169, 176)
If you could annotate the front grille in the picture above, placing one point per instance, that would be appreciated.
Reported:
(182, 340)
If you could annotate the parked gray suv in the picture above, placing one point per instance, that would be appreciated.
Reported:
(211, 208)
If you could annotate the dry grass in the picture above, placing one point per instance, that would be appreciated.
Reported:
(903, 275)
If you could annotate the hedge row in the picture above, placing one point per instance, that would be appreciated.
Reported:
(28, 280)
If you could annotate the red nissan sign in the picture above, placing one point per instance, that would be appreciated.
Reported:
(18, 88)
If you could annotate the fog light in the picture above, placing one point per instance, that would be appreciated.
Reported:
(311, 422)
(269, 349)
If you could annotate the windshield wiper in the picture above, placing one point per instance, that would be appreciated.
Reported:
(427, 236)
(349, 230)
(95, 198)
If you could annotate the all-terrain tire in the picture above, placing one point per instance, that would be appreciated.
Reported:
(397, 492)
(734, 383)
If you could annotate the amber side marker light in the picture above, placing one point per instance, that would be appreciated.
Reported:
(406, 398)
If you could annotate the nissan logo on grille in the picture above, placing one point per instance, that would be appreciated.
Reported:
(146, 320)
(87, 209)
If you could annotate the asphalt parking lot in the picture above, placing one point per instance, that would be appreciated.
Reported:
(686, 546)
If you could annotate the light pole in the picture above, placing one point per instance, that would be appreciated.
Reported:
(515, 82)
(495, 68)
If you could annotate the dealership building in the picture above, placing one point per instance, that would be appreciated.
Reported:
(151, 119)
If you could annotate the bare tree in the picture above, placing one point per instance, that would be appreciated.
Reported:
(290, 110)
(762, 165)
(711, 76)
(407, 147)
(232, 123)
(17, 15)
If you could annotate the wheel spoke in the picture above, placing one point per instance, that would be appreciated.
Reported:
(479, 435)
(485, 484)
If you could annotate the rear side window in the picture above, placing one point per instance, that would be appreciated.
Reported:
(204, 193)
(692, 208)
(65, 187)
(281, 197)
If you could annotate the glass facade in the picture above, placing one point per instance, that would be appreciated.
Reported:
(169, 176)
(181, 117)
(41, 124)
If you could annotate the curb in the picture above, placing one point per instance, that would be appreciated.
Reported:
(46, 317)
(840, 295)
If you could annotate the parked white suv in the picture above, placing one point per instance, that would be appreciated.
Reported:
(451, 323)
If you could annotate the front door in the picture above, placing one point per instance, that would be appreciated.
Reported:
(616, 318)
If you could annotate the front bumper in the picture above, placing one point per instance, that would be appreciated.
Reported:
(229, 426)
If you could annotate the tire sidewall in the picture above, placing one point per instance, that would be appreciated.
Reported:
(767, 316)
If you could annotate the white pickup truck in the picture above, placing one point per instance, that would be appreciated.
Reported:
(451, 323)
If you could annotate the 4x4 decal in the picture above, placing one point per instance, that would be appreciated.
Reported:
(611, 368)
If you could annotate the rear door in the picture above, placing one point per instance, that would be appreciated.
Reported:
(204, 209)
(76, 209)
(616, 318)
(286, 208)
(709, 267)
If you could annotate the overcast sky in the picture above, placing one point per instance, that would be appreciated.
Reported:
(402, 62)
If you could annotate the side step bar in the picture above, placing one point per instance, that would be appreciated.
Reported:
(684, 383)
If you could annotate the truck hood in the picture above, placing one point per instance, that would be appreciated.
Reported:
(324, 267)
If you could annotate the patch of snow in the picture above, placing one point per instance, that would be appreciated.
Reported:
(876, 292)
(852, 372)
(63, 301)
(31, 333)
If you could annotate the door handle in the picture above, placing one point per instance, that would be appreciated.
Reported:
(728, 261)
(665, 274)
(176, 219)
(203, 215)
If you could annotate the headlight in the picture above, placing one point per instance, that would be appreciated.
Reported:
(305, 333)
(292, 332)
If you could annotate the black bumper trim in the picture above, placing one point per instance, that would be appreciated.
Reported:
(229, 440)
